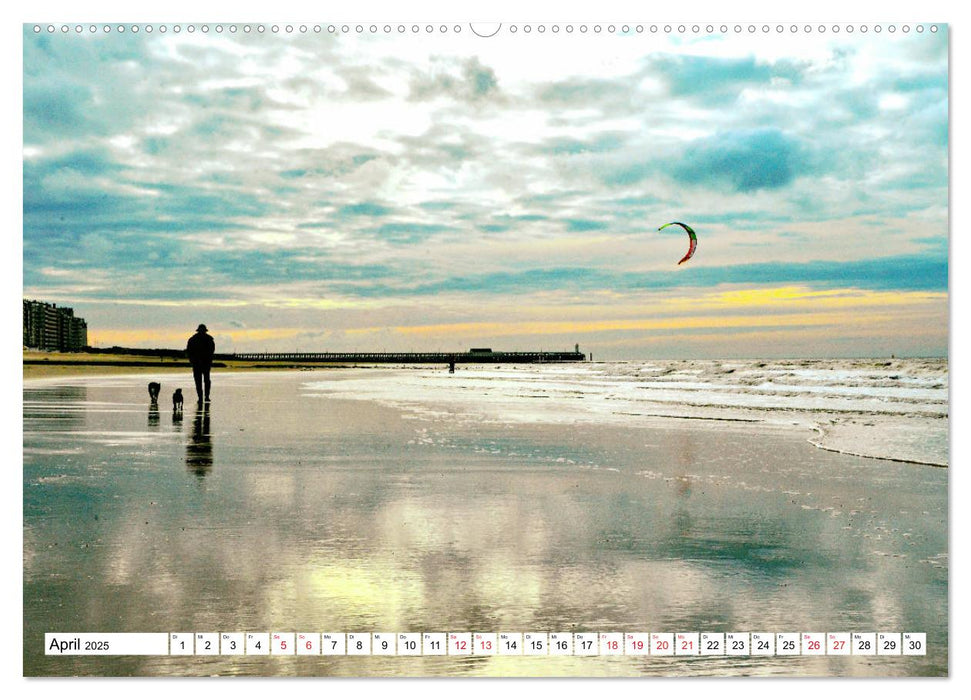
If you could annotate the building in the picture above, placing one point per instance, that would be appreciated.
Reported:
(49, 327)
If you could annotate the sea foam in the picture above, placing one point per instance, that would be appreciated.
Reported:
(888, 409)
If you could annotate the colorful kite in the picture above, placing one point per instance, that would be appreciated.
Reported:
(691, 235)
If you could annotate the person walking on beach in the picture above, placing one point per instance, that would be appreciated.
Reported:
(200, 349)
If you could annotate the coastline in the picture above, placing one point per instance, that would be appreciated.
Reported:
(846, 408)
(860, 433)
(855, 453)
(52, 365)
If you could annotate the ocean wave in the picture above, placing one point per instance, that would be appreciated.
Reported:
(887, 409)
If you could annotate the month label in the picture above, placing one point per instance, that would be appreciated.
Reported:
(107, 644)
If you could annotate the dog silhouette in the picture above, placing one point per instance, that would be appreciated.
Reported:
(153, 389)
(177, 400)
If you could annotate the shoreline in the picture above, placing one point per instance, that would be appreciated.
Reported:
(904, 460)
(41, 367)
(52, 365)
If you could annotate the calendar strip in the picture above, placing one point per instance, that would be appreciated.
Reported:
(673, 644)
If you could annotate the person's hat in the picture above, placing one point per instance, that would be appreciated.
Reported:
(202, 328)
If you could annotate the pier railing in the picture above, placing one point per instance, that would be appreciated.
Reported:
(475, 355)
(408, 357)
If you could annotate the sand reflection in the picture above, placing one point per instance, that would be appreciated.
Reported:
(198, 449)
(333, 517)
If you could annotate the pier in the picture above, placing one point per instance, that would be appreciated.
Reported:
(473, 356)
(171, 356)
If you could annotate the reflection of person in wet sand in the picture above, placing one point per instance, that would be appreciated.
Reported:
(198, 450)
(200, 349)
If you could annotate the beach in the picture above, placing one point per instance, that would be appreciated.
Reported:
(40, 364)
(600, 497)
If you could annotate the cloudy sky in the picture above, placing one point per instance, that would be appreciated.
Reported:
(443, 191)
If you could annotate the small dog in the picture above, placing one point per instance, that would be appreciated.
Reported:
(177, 400)
(153, 389)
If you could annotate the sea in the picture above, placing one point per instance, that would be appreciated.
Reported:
(882, 408)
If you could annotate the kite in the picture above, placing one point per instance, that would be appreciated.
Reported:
(691, 235)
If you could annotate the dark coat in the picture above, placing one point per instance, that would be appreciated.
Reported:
(200, 349)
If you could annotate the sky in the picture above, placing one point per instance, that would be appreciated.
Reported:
(440, 191)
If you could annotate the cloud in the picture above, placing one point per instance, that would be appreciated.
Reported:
(579, 225)
(467, 81)
(363, 209)
(81, 85)
(360, 84)
(51, 109)
(408, 232)
(593, 92)
(744, 161)
(719, 80)
(740, 161)
(598, 143)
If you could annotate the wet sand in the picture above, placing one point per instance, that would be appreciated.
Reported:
(39, 364)
(283, 510)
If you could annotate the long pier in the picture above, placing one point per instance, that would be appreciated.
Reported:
(409, 357)
(475, 355)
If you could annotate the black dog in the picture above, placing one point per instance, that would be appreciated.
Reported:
(177, 400)
(153, 389)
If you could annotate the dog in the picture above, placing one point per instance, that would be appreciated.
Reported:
(153, 389)
(177, 400)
